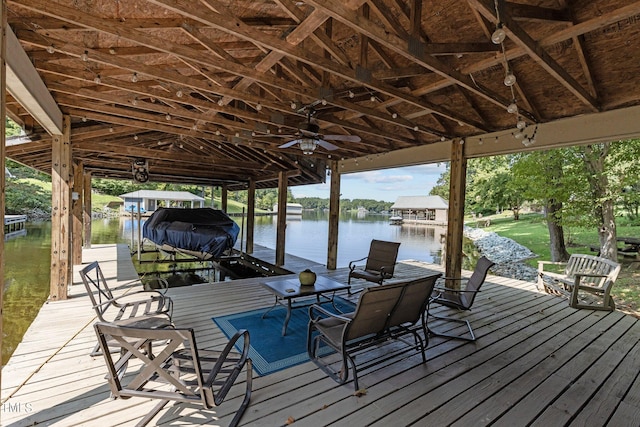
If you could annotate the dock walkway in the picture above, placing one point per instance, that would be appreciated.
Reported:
(536, 362)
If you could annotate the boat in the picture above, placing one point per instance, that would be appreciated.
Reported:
(395, 220)
(292, 209)
(201, 232)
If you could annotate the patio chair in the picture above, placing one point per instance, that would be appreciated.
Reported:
(144, 308)
(382, 313)
(461, 299)
(178, 372)
(380, 263)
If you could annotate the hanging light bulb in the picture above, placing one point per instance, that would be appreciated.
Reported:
(85, 56)
(50, 49)
(351, 94)
(220, 102)
(258, 106)
(179, 93)
(521, 124)
(509, 79)
(168, 116)
(498, 35)
(97, 80)
(134, 77)
(512, 108)
(294, 105)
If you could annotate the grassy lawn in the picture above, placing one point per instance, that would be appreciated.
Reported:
(531, 231)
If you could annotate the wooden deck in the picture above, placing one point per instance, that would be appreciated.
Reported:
(536, 362)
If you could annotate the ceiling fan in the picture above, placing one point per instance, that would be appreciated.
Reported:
(309, 138)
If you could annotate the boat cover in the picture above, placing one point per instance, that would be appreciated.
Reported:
(204, 230)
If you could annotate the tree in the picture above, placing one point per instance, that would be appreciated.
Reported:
(490, 186)
(541, 176)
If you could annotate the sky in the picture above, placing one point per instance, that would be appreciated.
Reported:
(384, 185)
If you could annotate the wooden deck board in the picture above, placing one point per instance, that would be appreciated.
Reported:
(536, 360)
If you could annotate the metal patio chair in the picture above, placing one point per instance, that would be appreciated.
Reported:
(461, 299)
(144, 308)
(175, 371)
(380, 263)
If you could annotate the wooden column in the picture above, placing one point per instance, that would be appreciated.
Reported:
(3, 114)
(223, 198)
(334, 217)
(60, 213)
(86, 210)
(457, 185)
(282, 218)
(76, 213)
(251, 214)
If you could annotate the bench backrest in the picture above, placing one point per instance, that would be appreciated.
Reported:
(589, 264)
(382, 307)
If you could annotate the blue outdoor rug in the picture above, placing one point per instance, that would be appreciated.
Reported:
(270, 351)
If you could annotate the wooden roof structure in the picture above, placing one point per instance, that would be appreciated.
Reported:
(207, 91)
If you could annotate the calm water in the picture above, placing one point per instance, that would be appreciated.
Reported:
(27, 258)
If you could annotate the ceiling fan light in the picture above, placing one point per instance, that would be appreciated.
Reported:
(308, 145)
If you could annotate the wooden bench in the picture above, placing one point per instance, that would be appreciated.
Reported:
(592, 274)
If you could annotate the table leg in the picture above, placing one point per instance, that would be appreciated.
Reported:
(270, 308)
(286, 319)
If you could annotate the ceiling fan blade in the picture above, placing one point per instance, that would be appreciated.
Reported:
(346, 138)
(290, 143)
(326, 145)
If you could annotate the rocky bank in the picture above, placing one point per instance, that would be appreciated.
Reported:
(508, 255)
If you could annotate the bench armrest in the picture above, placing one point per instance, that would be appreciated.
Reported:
(541, 264)
(320, 310)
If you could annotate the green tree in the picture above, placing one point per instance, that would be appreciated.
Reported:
(541, 176)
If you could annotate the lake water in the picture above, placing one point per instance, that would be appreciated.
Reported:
(27, 258)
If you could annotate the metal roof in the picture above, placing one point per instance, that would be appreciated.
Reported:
(420, 202)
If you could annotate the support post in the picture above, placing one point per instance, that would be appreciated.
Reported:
(76, 213)
(251, 212)
(223, 198)
(86, 201)
(282, 218)
(457, 186)
(61, 213)
(3, 114)
(334, 216)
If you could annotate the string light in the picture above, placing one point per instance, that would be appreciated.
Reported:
(97, 80)
(498, 37)
(85, 56)
(134, 77)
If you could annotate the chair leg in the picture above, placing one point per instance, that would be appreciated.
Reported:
(452, 319)
(247, 396)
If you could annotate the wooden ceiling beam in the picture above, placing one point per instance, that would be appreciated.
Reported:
(160, 154)
(401, 46)
(222, 22)
(536, 52)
